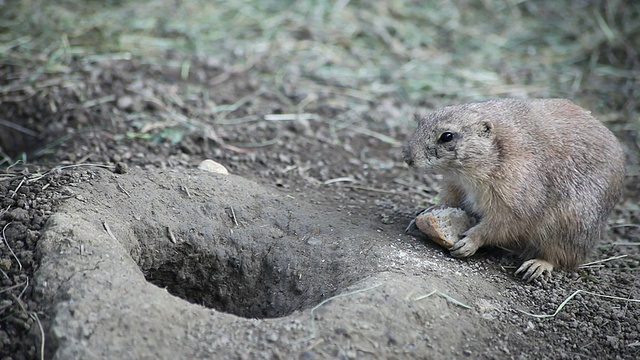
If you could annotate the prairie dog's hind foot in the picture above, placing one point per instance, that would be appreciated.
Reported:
(533, 269)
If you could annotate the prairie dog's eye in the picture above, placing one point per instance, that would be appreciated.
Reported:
(446, 137)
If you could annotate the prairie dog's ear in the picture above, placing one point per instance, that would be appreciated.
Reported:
(486, 127)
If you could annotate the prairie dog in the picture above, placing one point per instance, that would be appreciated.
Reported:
(542, 176)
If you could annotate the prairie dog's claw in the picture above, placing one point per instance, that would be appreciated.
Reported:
(428, 208)
(464, 247)
(412, 225)
(534, 268)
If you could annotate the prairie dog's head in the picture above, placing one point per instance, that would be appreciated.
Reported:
(454, 140)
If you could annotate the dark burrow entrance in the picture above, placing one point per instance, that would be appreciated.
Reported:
(249, 272)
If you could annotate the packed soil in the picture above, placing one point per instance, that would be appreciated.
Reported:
(348, 172)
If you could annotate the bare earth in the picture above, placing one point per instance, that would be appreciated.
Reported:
(299, 253)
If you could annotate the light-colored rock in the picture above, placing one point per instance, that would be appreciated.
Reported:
(212, 166)
(444, 226)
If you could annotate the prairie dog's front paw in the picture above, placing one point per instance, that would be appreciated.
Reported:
(465, 247)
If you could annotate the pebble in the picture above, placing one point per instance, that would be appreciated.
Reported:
(125, 103)
(212, 166)
(121, 168)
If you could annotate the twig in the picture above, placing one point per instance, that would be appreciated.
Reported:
(11, 287)
(35, 317)
(357, 187)
(604, 27)
(84, 158)
(262, 143)
(313, 326)
(26, 285)
(544, 316)
(15, 43)
(340, 179)
(94, 102)
(172, 237)
(454, 301)
(18, 127)
(447, 297)
(233, 215)
(291, 117)
(601, 261)
(377, 135)
(18, 162)
(240, 120)
(18, 188)
(19, 302)
(9, 247)
(5, 274)
(106, 227)
(208, 132)
(366, 188)
(425, 296)
(40, 85)
(123, 190)
(228, 109)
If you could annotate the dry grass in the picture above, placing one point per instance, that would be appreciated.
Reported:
(372, 63)
(462, 50)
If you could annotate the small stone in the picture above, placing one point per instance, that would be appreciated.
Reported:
(488, 316)
(212, 166)
(121, 168)
(529, 327)
(5, 264)
(5, 304)
(125, 103)
(272, 337)
(19, 215)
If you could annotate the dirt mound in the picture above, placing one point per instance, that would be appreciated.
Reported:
(180, 264)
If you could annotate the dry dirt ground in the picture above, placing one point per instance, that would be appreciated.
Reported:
(316, 215)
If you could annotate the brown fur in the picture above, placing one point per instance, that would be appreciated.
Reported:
(542, 175)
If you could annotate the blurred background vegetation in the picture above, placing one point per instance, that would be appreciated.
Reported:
(420, 54)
